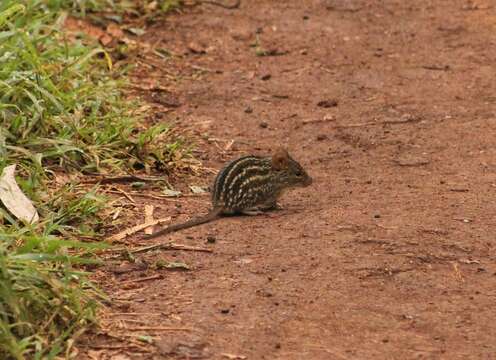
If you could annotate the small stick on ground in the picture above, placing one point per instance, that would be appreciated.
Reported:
(133, 230)
(149, 218)
(170, 246)
(404, 120)
(102, 179)
(159, 328)
(229, 145)
(233, 6)
(164, 197)
(153, 277)
(316, 121)
(133, 314)
(125, 194)
(458, 274)
(119, 347)
(436, 67)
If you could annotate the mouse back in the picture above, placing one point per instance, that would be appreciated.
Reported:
(233, 178)
(252, 182)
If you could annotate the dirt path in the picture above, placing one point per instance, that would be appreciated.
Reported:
(390, 254)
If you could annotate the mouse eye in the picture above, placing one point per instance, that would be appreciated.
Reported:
(298, 173)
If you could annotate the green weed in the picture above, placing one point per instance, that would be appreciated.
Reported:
(61, 111)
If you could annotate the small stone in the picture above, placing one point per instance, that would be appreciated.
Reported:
(377, 216)
(327, 103)
(241, 35)
(248, 110)
(306, 17)
(304, 52)
(225, 311)
(211, 239)
(322, 137)
(265, 77)
(196, 48)
(264, 125)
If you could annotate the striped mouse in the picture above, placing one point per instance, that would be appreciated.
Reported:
(249, 185)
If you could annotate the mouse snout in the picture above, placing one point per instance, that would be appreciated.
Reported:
(308, 181)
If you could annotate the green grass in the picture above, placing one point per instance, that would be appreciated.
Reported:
(135, 7)
(61, 111)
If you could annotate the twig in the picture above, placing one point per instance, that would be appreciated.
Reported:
(459, 189)
(126, 195)
(148, 88)
(406, 119)
(133, 314)
(357, 125)
(159, 328)
(130, 231)
(233, 356)
(161, 197)
(411, 162)
(153, 277)
(103, 179)
(170, 246)
(344, 9)
(151, 196)
(289, 117)
(315, 121)
(117, 347)
(458, 273)
(234, 5)
(149, 218)
(436, 67)
(229, 145)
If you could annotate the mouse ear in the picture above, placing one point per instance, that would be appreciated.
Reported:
(280, 159)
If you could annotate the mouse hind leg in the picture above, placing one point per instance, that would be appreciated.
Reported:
(268, 205)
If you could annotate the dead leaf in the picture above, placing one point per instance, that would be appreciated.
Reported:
(197, 189)
(14, 199)
(136, 31)
(171, 193)
(105, 39)
(115, 31)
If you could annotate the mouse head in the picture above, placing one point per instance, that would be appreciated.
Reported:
(288, 170)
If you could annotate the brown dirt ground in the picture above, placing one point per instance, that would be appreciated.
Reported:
(390, 253)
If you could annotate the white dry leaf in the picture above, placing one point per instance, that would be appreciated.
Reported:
(197, 189)
(14, 199)
(171, 193)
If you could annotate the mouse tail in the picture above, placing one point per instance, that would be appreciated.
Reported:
(212, 215)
